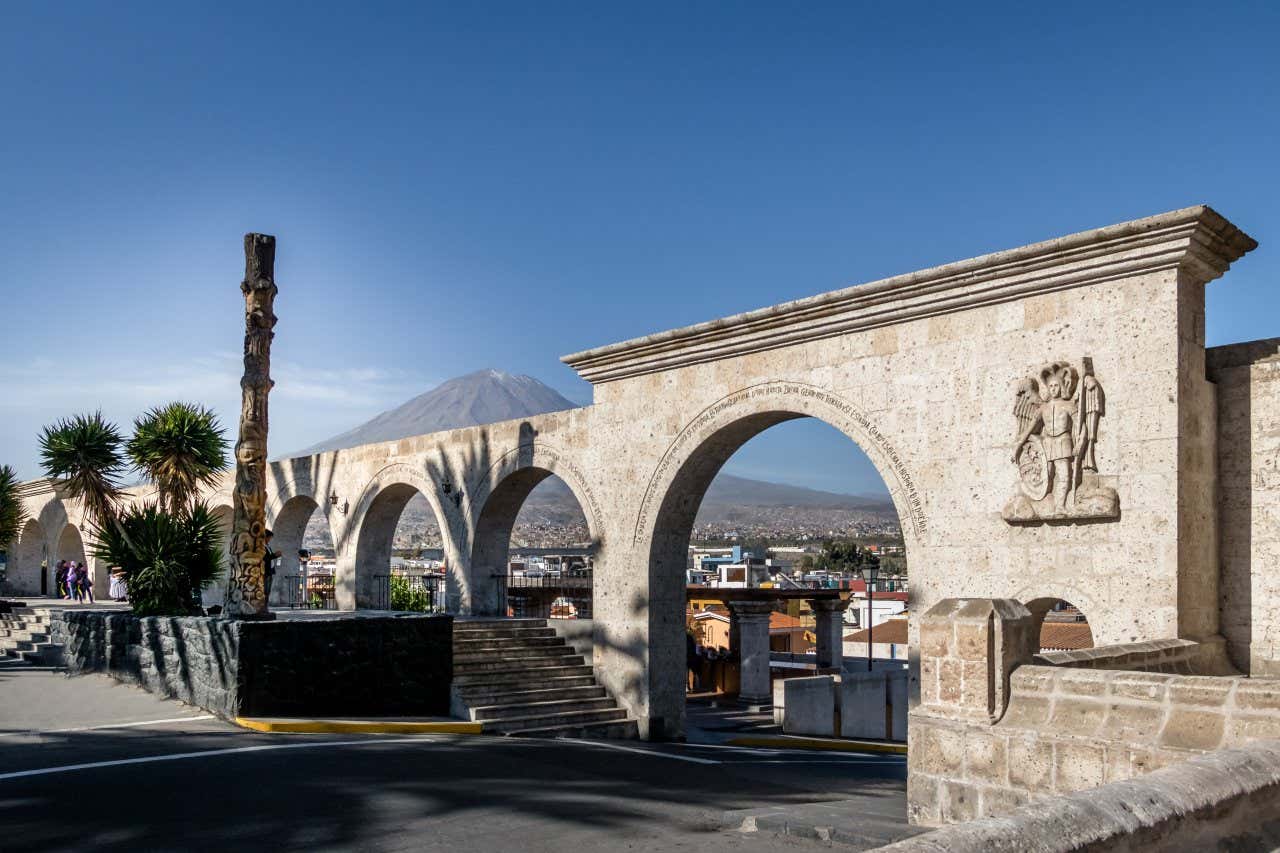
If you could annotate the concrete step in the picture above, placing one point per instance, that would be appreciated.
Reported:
(525, 710)
(47, 654)
(523, 675)
(16, 646)
(19, 622)
(18, 633)
(499, 645)
(583, 687)
(517, 653)
(562, 719)
(471, 623)
(491, 664)
(508, 633)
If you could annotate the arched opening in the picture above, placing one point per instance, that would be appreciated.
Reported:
(532, 555)
(1060, 625)
(305, 575)
(29, 555)
(400, 559)
(216, 593)
(798, 568)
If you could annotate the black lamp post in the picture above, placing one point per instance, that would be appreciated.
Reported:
(869, 575)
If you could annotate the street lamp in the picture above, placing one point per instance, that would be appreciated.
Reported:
(869, 575)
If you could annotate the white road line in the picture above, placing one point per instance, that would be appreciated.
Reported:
(208, 753)
(816, 761)
(650, 752)
(39, 732)
(767, 750)
(129, 725)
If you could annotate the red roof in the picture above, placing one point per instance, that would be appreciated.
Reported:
(1065, 636)
(890, 631)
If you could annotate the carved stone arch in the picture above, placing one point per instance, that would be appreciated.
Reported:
(373, 521)
(28, 553)
(539, 456)
(290, 508)
(736, 418)
(53, 516)
(495, 499)
(1040, 596)
(681, 478)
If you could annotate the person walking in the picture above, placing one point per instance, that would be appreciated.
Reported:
(269, 567)
(60, 580)
(85, 583)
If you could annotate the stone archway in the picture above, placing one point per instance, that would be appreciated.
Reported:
(498, 498)
(674, 493)
(376, 515)
(216, 593)
(288, 524)
(29, 552)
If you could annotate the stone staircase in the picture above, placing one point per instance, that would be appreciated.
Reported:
(517, 678)
(24, 637)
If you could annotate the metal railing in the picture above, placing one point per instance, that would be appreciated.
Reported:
(566, 596)
(317, 594)
(409, 593)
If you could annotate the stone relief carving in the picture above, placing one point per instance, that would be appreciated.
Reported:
(1058, 410)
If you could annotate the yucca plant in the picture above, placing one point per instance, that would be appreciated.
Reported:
(84, 453)
(179, 447)
(13, 513)
(167, 558)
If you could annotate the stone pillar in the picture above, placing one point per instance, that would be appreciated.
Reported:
(968, 648)
(753, 651)
(829, 614)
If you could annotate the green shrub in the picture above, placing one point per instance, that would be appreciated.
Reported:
(405, 596)
(167, 559)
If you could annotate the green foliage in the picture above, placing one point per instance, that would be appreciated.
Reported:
(84, 453)
(405, 596)
(180, 447)
(838, 556)
(13, 514)
(167, 558)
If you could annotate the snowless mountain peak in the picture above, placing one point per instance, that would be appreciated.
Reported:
(483, 397)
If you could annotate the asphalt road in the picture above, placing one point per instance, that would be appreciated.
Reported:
(87, 764)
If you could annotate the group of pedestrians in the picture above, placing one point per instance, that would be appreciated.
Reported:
(74, 583)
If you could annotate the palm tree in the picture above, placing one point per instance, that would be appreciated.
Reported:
(84, 453)
(13, 513)
(180, 447)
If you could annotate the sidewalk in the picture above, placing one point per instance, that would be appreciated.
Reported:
(715, 720)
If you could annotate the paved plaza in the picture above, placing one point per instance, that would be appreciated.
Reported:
(90, 764)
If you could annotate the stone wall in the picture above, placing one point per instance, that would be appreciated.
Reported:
(1248, 381)
(336, 666)
(1226, 800)
(994, 731)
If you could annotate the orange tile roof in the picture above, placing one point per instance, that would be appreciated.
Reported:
(783, 622)
(1065, 636)
(890, 631)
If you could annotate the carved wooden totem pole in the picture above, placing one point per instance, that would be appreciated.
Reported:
(246, 593)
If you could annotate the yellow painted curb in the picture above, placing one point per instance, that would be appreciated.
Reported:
(369, 727)
(776, 742)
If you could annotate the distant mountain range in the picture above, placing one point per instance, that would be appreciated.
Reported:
(489, 396)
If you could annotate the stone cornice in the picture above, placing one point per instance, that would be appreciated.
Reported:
(1195, 239)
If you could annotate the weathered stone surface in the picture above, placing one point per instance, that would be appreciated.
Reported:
(1220, 801)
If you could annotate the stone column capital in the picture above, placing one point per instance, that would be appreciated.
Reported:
(830, 605)
(749, 610)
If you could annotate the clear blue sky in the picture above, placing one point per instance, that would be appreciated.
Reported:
(460, 186)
